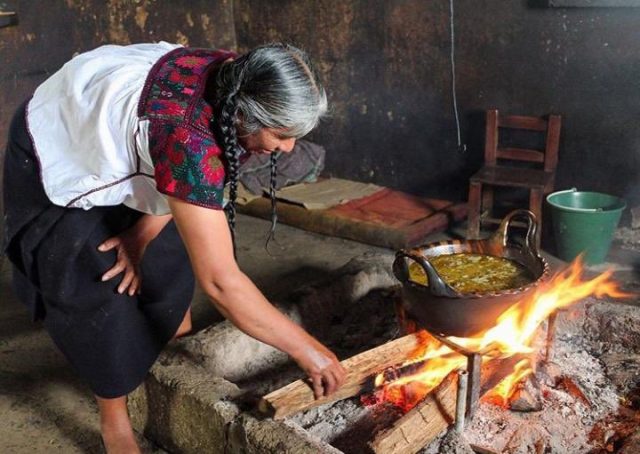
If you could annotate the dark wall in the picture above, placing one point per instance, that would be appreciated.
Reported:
(386, 66)
(51, 31)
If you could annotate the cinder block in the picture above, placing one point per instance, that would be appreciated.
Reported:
(184, 409)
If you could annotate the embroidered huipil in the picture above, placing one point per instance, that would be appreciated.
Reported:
(127, 125)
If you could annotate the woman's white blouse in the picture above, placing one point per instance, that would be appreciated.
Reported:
(92, 147)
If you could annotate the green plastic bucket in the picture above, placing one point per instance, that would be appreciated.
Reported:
(584, 222)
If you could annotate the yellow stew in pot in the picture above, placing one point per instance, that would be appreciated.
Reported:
(474, 273)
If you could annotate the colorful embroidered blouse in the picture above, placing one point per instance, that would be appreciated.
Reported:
(184, 152)
(127, 125)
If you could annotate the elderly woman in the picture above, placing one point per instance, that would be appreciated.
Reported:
(114, 179)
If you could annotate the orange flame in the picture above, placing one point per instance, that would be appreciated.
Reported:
(512, 334)
(500, 394)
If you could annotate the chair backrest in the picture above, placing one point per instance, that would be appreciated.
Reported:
(550, 126)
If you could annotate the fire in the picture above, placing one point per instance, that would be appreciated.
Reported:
(500, 394)
(513, 333)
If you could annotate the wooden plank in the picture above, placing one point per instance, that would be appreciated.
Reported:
(436, 412)
(298, 396)
(423, 423)
(552, 144)
(491, 137)
(520, 154)
(370, 220)
(522, 122)
(516, 177)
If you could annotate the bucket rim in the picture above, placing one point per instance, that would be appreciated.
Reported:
(619, 205)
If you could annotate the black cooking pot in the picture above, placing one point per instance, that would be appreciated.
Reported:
(441, 309)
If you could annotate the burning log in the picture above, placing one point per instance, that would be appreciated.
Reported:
(436, 411)
(423, 423)
(298, 396)
(526, 397)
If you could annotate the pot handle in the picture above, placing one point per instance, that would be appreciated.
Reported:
(501, 236)
(436, 285)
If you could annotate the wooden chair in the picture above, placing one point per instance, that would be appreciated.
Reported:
(496, 171)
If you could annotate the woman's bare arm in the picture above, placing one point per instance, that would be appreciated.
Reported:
(208, 241)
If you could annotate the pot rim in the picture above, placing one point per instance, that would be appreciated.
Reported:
(512, 291)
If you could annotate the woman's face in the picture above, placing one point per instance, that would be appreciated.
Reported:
(266, 141)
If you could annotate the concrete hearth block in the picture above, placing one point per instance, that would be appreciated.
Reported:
(190, 402)
(248, 434)
(184, 409)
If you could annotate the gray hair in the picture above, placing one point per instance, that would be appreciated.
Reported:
(272, 86)
(276, 87)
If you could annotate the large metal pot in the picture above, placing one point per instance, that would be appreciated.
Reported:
(441, 309)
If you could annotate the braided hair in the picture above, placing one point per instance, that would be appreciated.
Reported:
(226, 125)
(272, 86)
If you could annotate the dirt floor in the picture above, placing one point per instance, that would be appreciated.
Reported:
(47, 409)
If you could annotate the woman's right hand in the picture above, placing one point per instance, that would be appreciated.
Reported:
(208, 240)
(323, 368)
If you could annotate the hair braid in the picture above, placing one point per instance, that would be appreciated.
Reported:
(227, 113)
(273, 162)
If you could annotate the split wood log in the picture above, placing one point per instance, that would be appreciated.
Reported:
(423, 423)
(436, 411)
(527, 396)
(361, 369)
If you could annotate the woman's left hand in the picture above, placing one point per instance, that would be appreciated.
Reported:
(130, 246)
(129, 251)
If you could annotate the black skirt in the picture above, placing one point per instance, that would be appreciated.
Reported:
(111, 340)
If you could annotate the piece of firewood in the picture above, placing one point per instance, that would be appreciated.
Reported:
(361, 369)
(527, 396)
(436, 411)
(423, 423)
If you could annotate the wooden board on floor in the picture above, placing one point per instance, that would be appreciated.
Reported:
(387, 218)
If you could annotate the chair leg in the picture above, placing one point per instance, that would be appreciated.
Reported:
(474, 207)
(487, 201)
(535, 205)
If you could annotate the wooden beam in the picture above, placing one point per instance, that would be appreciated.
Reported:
(361, 369)
(436, 412)
(423, 423)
